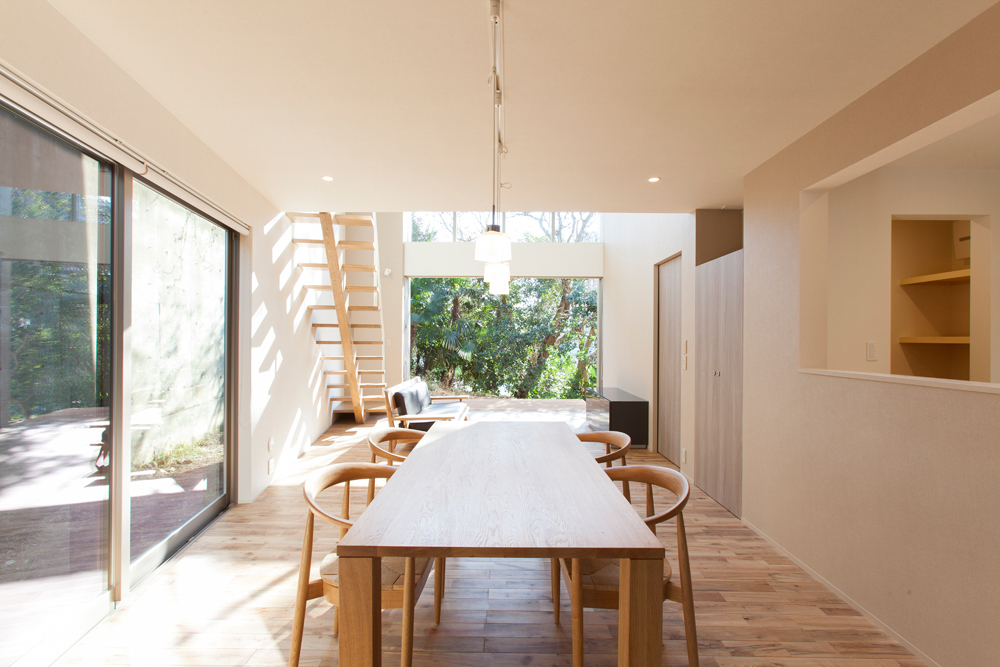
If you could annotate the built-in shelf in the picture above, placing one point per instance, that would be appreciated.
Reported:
(935, 340)
(948, 277)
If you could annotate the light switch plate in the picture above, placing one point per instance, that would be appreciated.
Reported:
(872, 347)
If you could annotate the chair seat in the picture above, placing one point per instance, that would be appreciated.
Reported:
(393, 570)
(602, 574)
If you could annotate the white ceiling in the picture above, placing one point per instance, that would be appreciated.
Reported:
(390, 97)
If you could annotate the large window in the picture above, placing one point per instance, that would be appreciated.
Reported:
(103, 474)
(566, 227)
(540, 341)
(55, 393)
(178, 396)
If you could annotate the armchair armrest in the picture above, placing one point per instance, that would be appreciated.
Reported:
(459, 398)
(422, 418)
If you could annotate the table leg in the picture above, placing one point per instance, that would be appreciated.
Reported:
(360, 612)
(640, 613)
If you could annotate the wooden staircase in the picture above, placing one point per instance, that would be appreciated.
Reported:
(341, 278)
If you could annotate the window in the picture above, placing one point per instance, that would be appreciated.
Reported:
(522, 227)
(62, 209)
(55, 382)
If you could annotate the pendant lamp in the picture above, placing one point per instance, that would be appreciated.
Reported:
(493, 246)
(497, 272)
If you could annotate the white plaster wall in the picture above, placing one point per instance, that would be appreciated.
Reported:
(887, 491)
(860, 247)
(528, 260)
(633, 244)
(395, 308)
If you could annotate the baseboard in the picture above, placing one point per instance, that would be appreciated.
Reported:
(844, 596)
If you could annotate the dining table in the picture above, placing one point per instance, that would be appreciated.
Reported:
(501, 489)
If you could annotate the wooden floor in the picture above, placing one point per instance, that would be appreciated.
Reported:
(227, 599)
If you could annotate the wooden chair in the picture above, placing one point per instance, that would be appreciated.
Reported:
(402, 578)
(593, 582)
(382, 444)
(616, 446)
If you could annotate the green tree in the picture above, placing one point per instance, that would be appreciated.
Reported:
(538, 342)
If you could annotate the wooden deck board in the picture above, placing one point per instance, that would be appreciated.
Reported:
(227, 599)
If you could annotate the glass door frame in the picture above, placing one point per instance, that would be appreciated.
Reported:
(132, 572)
(122, 574)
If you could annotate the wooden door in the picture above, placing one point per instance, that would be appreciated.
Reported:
(719, 380)
(669, 354)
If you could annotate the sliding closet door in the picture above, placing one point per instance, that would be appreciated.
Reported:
(719, 380)
(669, 360)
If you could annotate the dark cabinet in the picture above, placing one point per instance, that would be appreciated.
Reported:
(611, 409)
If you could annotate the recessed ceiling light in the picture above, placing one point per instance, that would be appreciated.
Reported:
(654, 179)
(330, 178)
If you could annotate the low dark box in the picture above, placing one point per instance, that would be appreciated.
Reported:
(611, 409)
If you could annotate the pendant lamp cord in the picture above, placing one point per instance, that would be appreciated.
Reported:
(496, 79)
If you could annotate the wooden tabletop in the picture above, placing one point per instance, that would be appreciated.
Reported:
(514, 489)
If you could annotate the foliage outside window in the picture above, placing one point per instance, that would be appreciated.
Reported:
(565, 227)
(538, 342)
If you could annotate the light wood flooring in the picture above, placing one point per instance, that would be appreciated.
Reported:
(227, 599)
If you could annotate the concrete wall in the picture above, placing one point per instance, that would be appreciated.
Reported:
(886, 490)
(275, 353)
(633, 244)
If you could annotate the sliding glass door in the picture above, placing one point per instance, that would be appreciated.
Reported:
(116, 339)
(55, 393)
(178, 392)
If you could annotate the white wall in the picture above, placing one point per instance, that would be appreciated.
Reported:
(528, 260)
(275, 359)
(395, 307)
(888, 491)
(633, 244)
(860, 248)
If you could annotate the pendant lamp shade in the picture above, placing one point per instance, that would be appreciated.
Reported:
(499, 287)
(493, 246)
(497, 272)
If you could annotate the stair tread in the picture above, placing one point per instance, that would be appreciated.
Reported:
(366, 326)
(312, 241)
(361, 288)
(356, 245)
(370, 308)
(368, 268)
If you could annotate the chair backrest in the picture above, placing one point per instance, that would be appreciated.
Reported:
(665, 478)
(382, 442)
(406, 398)
(337, 473)
(617, 443)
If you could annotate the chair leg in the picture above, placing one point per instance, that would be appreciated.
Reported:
(371, 487)
(409, 583)
(625, 490)
(438, 588)
(576, 599)
(687, 593)
(650, 509)
(302, 594)
(555, 588)
(336, 621)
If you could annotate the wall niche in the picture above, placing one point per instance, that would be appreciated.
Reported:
(931, 281)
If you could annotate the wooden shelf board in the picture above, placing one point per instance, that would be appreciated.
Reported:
(935, 340)
(946, 278)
